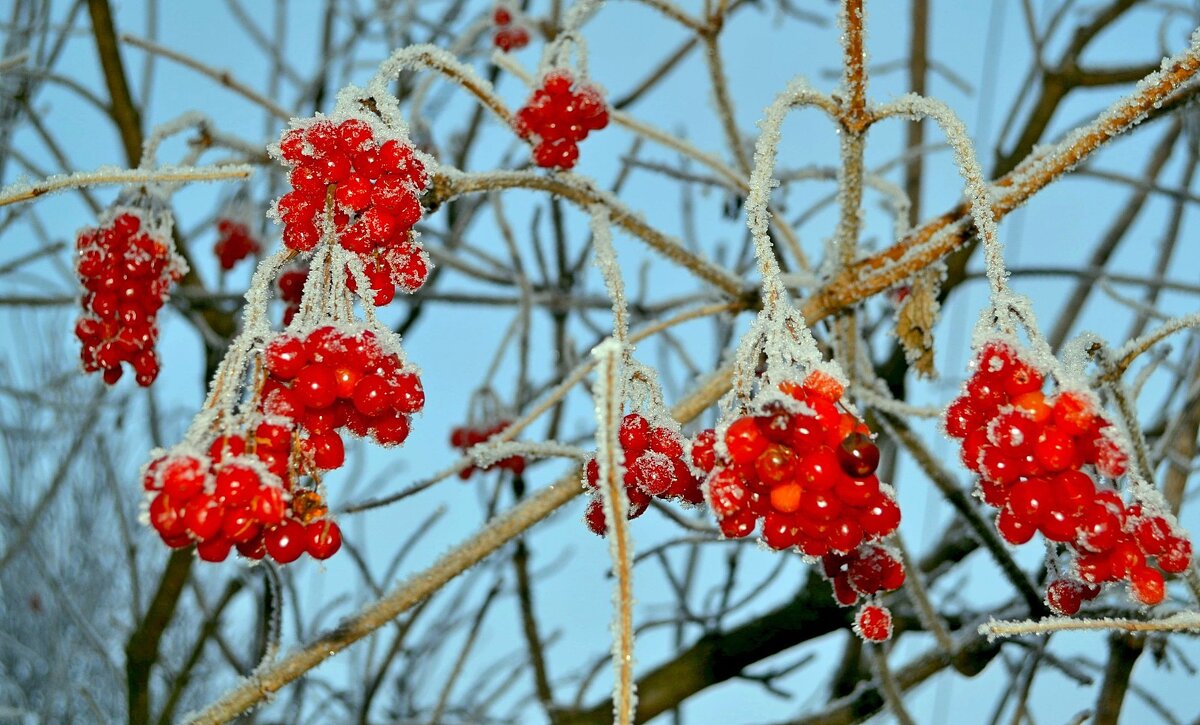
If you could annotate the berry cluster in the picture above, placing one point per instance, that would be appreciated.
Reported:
(126, 265)
(234, 243)
(509, 35)
(370, 188)
(290, 284)
(1030, 451)
(233, 496)
(654, 467)
(330, 379)
(559, 115)
(807, 471)
(466, 436)
(862, 574)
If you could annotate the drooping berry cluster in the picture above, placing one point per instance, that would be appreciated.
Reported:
(371, 189)
(238, 494)
(861, 575)
(807, 471)
(332, 379)
(654, 468)
(126, 266)
(234, 243)
(1032, 453)
(466, 436)
(559, 115)
(290, 284)
(509, 35)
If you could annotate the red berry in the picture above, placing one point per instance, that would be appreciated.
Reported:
(285, 542)
(285, 357)
(874, 623)
(633, 434)
(183, 478)
(594, 517)
(214, 550)
(1064, 596)
(322, 539)
(858, 455)
(1148, 585)
(203, 516)
(327, 450)
(744, 440)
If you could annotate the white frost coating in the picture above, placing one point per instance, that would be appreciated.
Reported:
(1186, 621)
(578, 14)
(26, 190)
(606, 260)
(609, 394)
(758, 218)
(486, 454)
(428, 57)
(915, 107)
(225, 390)
(163, 131)
(779, 331)
(461, 45)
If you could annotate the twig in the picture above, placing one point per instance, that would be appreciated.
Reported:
(223, 76)
(20, 192)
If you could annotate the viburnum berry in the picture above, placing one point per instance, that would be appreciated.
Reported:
(126, 266)
(466, 436)
(333, 379)
(235, 242)
(238, 500)
(559, 115)
(1033, 452)
(368, 187)
(290, 284)
(655, 467)
(808, 475)
(511, 34)
(873, 623)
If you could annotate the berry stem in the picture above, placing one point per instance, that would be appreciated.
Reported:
(430, 57)
(609, 395)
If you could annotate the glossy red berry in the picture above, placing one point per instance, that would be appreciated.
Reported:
(285, 542)
(322, 539)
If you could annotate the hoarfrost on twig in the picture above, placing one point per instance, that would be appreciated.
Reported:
(609, 395)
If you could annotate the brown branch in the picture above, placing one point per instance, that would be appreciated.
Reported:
(124, 113)
(1123, 652)
(141, 651)
(948, 232)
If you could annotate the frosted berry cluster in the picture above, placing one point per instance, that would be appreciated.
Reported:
(465, 436)
(509, 35)
(234, 243)
(1033, 453)
(806, 471)
(861, 575)
(290, 284)
(332, 379)
(126, 266)
(559, 115)
(371, 190)
(239, 494)
(654, 463)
